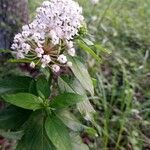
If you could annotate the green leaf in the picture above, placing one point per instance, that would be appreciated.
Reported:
(74, 86)
(82, 75)
(12, 135)
(15, 84)
(87, 41)
(24, 100)
(5, 51)
(102, 49)
(13, 117)
(77, 143)
(19, 61)
(70, 120)
(35, 137)
(57, 133)
(65, 86)
(66, 100)
(43, 87)
(86, 48)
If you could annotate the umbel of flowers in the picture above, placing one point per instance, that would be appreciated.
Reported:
(49, 38)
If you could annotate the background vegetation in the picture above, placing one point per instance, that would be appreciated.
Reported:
(122, 80)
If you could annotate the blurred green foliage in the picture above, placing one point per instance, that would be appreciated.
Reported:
(123, 79)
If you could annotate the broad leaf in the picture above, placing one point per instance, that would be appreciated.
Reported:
(35, 137)
(77, 142)
(57, 133)
(82, 75)
(70, 120)
(66, 100)
(13, 117)
(43, 87)
(23, 100)
(74, 86)
(15, 84)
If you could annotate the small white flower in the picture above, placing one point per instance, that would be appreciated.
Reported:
(39, 51)
(26, 48)
(46, 59)
(33, 25)
(69, 44)
(37, 36)
(71, 52)
(25, 34)
(69, 63)
(55, 68)
(20, 55)
(25, 28)
(32, 64)
(42, 26)
(46, 3)
(14, 46)
(62, 59)
(18, 38)
(55, 40)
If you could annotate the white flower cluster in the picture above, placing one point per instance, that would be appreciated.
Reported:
(50, 36)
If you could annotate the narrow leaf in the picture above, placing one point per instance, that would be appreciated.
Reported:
(5, 51)
(19, 61)
(88, 49)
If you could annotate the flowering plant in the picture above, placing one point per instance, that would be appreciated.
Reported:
(39, 108)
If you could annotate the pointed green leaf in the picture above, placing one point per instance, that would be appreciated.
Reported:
(23, 100)
(70, 120)
(82, 75)
(13, 117)
(66, 100)
(58, 133)
(77, 142)
(15, 84)
(74, 86)
(43, 87)
(35, 137)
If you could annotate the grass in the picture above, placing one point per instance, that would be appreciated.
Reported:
(122, 78)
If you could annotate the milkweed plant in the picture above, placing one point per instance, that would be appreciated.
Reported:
(40, 110)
